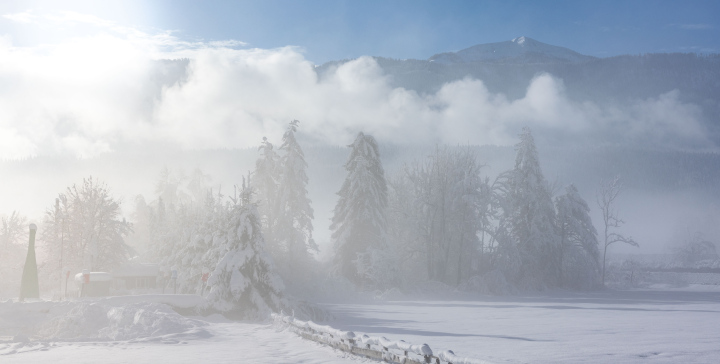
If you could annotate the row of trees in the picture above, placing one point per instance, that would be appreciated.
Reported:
(280, 186)
(248, 244)
(13, 233)
(438, 220)
(220, 237)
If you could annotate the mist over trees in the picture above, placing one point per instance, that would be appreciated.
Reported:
(247, 243)
(12, 250)
(695, 249)
(359, 222)
(293, 211)
(244, 282)
(439, 209)
(529, 245)
(579, 254)
(606, 200)
(85, 229)
(438, 219)
(448, 223)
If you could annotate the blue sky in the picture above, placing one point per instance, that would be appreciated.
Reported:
(330, 30)
(80, 77)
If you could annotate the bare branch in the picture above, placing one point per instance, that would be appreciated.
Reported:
(617, 238)
(606, 196)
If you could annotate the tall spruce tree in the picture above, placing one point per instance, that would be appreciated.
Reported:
(359, 221)
(192, 259)
(294, 212)
(578, 254)
(265, 184)
(530, 249)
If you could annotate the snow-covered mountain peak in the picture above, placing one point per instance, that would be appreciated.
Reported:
(519, 40)
(518, 50)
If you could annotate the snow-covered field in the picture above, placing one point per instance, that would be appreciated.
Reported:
(659, 326)
(655, 325)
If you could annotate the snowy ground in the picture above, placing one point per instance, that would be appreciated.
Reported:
(229, 343)
(658, 326)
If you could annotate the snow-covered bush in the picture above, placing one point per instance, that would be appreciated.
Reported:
(695, 250)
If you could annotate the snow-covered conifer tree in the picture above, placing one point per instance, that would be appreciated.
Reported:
(579, 254)
(294, 213)
(192, 259)
(359, 219)
(265, 184)
(530, 250)
(244, 283)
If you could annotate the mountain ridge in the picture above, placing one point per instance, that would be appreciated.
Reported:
(521, 49)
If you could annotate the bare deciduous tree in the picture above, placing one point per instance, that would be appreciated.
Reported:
(606, 196)
(86, 225)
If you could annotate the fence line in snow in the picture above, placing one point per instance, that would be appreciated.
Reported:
(378, 348)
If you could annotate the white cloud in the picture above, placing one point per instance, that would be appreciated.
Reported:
(158, 43)
(697, 26)
(95, 93)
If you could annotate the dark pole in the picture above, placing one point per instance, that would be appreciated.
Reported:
(67, 275)
(62, 241)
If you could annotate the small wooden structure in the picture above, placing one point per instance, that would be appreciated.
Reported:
(93, 284)
(136, 277)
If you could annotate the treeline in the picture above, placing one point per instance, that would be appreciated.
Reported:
(241, 242)
(439, 218)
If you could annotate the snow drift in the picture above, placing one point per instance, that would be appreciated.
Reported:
(113, 319)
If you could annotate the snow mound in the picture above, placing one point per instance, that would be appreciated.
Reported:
(99, 321)
(177, 301)
(305, 310)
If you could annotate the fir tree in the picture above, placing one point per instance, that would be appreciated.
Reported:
(578, 254)
(265, 185)
(359, 220)
(530, 242)
(244, 283)
(294, 213)
(192, 259)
